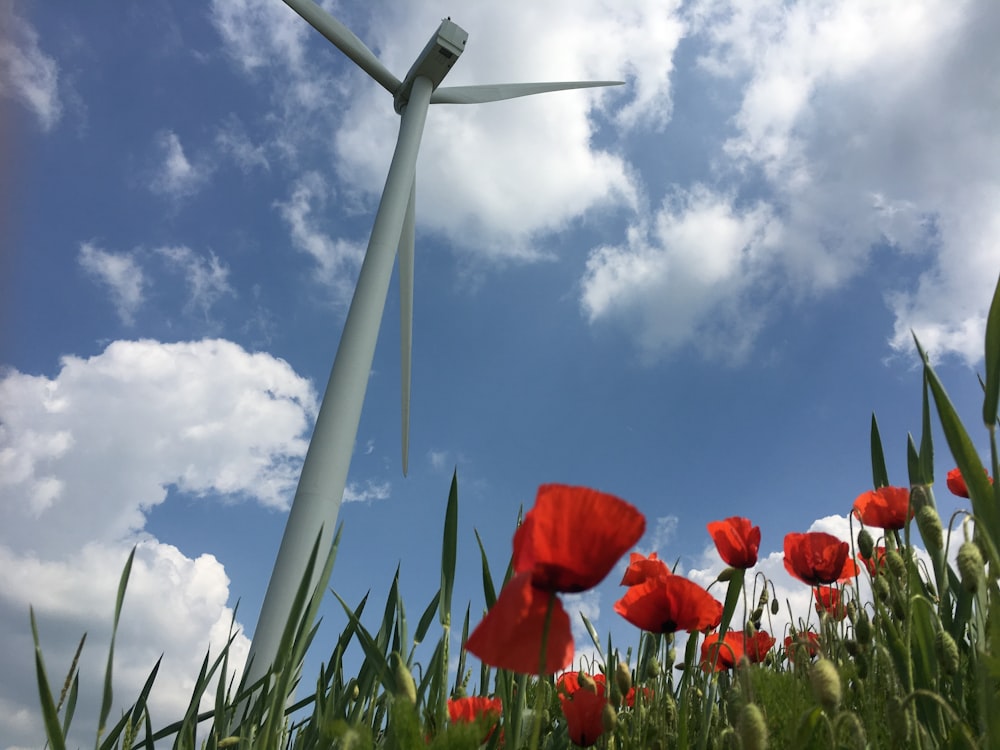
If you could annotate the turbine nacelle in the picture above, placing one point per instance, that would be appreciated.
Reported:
(434, 62)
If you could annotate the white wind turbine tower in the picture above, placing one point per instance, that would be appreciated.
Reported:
(324, 471)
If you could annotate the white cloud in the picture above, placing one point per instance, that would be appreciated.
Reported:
(27, 73)
(176, 177)
(686, 278)
(493, 178)
(356, 492)
(120, 273)
(207, 278)
(83, 457)
(338, 260)
(232, 140)
(861, 126)
(256, 33)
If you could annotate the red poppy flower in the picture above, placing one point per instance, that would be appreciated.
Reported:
(583, 707)
(724, 653)
(758, 645)
(669, 605)
(884, 508)
(829, 600)
(644, 690)
(568, 542)
(956, 482)
(641, 569)
(807, 641)
(737, 541)
(874, 563)
(817, 557)
(472, 708)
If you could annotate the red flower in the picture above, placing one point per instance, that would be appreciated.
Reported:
(641, 569)
(473, 708)
(568, 542)
(884, 508)
(669, 605)
(645, 691)
(737, 541)
(956, 482)
(874, 563)
(807, 641)
(817, 557)
(758, 645)
(724, 653)
(583, 707)
(829, 600)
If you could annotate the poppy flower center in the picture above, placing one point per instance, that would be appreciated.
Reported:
(553, 577)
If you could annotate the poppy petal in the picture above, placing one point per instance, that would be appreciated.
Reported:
(574, 536)
(669, 605)
(510, 635)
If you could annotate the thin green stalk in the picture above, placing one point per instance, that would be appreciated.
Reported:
(536, 724)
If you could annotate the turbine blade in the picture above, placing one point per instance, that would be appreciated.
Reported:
(406, 242)
(499, 91)
(345, 41)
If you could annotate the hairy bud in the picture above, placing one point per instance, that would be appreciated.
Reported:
(971, 567)
(752, 728)
(825, 681)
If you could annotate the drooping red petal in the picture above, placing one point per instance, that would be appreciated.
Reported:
(758, 645)
(510, 635)
(737, 541)
(574, 536)
(830, 600)
(884, 508)
(722, 653)
(664, 606)
(641, 569)
(584, 712)
(817, 557)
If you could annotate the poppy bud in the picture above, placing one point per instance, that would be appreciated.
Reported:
(854, 728)
(895, 562)
(587, 682)
(670, 710)
(881, 588)
(947, 652)
(929, 523)
(405, 687)
(623, 677)
(775, 607)
(861, 663)
(763, 598)
(970, 565)
(352, 689)
(863, 630)
(653, 668)
(900, 723)
(752, 728)
(227, 742)
(852, 610)
(757, 614)
(825, 683)
(609, 717)
(726, 574)
(672, 655)
(851, 647)
(866, 545)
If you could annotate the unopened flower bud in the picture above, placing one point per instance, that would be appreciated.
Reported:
(609, 717)
(825, 683)
(764, 597)
(775, 607)
(623, 677)
(757, 614)
(900, 723)
(929, 523)
(863, 629)
(406, 689)
(947, 652)
(653, 668)
(726, 575)
(866, 545)
(670, 710)
(895, 562)
(853, 728)
(752, 728)
(587, 682)
(881, 588)
(352, 689)
(971, 567)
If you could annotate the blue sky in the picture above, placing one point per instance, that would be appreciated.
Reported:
(691, 291)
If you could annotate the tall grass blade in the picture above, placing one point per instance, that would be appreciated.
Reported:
(992, 362)
(449, 550)
(489, 590)
(880, 477)
(108, 692)
(50, 717)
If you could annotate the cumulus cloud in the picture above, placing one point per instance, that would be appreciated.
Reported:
(493, 178)
(26, 72)
(857, 129)
(120, 273)
(84, 456)
(176, 176)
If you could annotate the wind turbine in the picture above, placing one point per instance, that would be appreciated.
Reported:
(324, 471)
